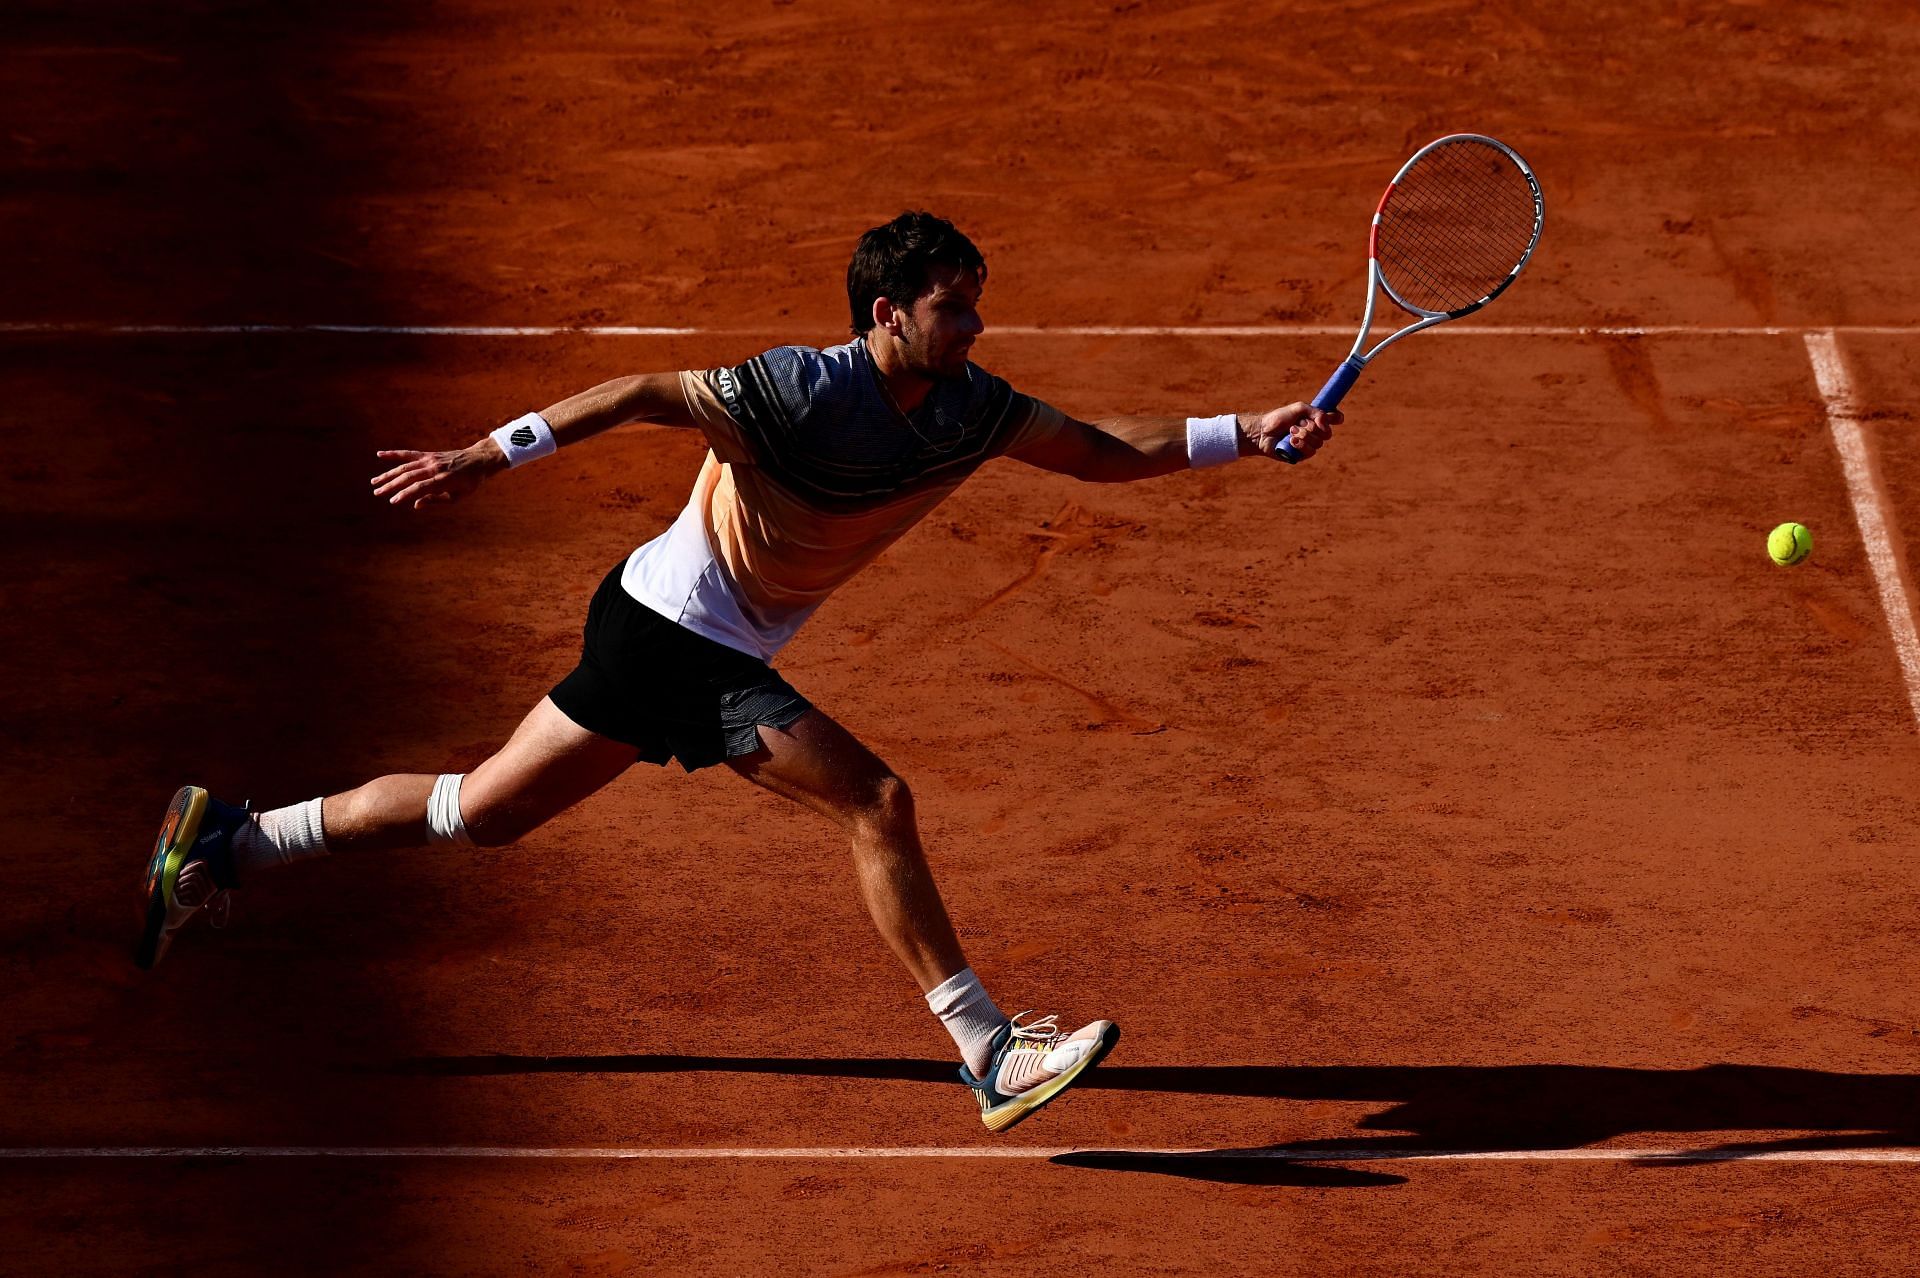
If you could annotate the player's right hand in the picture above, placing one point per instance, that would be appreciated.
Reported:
(420, 479)
(1304, 427)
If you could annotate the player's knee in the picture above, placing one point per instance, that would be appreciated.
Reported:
(886, 802)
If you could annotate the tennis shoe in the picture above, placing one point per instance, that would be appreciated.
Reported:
(1033, 1062)
(191, 870)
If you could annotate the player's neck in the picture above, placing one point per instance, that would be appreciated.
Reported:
(905, 387)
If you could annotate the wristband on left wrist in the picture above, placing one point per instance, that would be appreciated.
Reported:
(525, 438)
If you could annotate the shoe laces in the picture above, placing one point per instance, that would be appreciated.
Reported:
(1043, 1031)
(218, 904)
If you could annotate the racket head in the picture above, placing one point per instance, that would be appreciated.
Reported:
(1456, 225)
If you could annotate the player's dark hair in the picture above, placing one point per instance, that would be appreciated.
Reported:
(896, 261)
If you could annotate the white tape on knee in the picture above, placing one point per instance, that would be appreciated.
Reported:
(444, 822)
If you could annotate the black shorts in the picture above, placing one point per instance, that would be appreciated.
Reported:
(666, 691)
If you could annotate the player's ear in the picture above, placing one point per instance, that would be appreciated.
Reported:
(887, 317)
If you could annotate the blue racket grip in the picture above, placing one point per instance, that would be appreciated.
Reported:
(1329, 398)
(1339, 384)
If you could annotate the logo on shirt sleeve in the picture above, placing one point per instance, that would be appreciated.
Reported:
(729, 388)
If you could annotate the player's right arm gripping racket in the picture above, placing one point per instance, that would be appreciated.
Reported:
(1457, 223)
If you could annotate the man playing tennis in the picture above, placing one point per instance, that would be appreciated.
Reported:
(819, 460)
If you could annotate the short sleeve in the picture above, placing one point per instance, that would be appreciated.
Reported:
(769, 398)
(708, 408)
(1030, 421)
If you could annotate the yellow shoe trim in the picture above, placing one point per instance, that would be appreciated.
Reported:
(1005, 1115)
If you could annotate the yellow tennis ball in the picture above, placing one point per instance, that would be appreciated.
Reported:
(1789, 544)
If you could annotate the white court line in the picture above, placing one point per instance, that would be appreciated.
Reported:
(36, 329)
(1280, 1154)
(1830, 371)
(403, 330)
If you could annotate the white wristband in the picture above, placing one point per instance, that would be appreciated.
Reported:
(525, 439)
(1213, 441)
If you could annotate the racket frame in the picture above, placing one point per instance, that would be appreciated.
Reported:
(1349, 371)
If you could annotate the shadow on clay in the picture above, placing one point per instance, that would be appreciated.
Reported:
(1425, 1107)
(1229, 1167)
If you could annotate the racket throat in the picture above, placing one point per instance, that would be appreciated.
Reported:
(1340, 383)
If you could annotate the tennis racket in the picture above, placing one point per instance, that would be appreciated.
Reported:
(1457, 223)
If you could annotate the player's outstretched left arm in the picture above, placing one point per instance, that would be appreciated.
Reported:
(420, 478)
(1118, 449)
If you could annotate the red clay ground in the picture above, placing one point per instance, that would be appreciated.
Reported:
(1479, 786)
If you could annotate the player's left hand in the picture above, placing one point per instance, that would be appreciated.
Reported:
(1302, 425)
(423, 478)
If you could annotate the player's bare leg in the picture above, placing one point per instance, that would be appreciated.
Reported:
(550, 764)
(205, 846)
(1014, 1068)
(821, 765)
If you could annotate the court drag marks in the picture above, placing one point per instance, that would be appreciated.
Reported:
(1482, 787)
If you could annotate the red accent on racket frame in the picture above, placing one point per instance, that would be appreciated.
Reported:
(1373, 232)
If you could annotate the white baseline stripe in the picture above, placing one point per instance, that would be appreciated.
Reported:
(1360, 1154)
(1830, 371)
(36, 329)
(403, 330)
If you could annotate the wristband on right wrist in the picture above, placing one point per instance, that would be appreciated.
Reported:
(1213, 441)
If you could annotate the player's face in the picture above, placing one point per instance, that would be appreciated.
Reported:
(939, 329)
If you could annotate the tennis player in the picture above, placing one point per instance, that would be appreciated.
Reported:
(819, 460)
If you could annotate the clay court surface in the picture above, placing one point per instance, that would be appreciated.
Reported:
(1479, 787)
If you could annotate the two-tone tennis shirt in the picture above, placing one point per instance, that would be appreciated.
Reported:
(812, 472)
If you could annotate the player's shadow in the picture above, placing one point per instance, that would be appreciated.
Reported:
(1231, 1167)
(1467, 1108)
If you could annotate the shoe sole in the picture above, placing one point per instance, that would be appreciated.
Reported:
(1030, 1102)
(164, 913)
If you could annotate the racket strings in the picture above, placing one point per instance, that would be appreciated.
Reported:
(1456, 225)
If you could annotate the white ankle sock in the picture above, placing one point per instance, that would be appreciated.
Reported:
(962, 1005)
(279, 837)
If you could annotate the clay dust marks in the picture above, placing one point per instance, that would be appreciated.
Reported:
(1632, 368)
(1745, 271)
(1110, 713)
(1070, 530)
